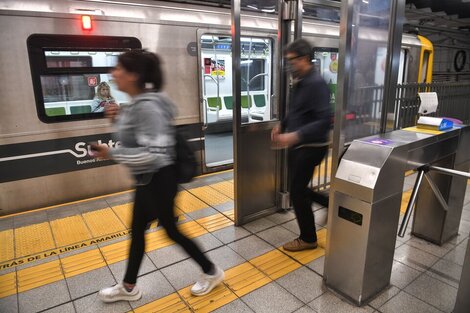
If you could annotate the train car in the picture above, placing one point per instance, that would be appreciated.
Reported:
(57, 53)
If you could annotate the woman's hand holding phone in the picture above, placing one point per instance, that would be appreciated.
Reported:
(99, 151)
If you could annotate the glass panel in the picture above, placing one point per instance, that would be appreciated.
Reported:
(369, 39)
(256, 72)
(326, 62)
(79, 93)
(255, 68)
(77, 59)
(402, 68)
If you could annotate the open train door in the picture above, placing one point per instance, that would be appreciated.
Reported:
(256, 165)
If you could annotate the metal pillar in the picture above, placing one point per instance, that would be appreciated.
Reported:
(462, 303)
(290, 15)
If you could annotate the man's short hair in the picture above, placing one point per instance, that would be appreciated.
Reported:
(300, 47)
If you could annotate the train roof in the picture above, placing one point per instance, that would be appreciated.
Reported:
(161, 12)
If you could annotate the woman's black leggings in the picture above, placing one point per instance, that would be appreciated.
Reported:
(155, 201)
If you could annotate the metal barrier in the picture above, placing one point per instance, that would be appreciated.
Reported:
(453, 100)
(366, 199)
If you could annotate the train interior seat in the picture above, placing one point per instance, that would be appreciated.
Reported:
(257, 111)
(55, 111)
(221, 108)
(80, 109)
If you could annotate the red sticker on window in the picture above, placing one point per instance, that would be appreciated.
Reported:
(92, 81)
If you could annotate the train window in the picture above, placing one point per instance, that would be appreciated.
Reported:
(75, 83)
(256, 84)
(73, 59)
(249, 69)
(216, 87)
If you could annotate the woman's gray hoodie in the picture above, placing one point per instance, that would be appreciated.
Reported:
(146, 133)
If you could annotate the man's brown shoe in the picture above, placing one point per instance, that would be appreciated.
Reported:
(299, 245)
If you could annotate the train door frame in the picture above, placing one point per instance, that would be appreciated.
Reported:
(202, 102)
(426, 58)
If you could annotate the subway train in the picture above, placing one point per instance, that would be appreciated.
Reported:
(56, 53)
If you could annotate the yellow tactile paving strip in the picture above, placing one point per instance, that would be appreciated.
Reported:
(215, 222)
(81, 263)
(245, 278)
(230, 214)
(103, 222)
(168, 304)
(187, 202)
(7, 285)
(209, 195)
(6, 247)
(39, 275)
(239, 281)
(62, 233)
(157, 240)
(69, 230)
(405, 198)
(225, 188)
(218, 297)
(124, 212)
(192, 229)
(275, 264)
(32, 239)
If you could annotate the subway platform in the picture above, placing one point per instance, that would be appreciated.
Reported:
(56, 259)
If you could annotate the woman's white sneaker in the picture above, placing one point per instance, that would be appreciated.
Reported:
(207, 282)
(118, 292)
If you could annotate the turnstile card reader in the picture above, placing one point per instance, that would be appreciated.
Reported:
(365, 200)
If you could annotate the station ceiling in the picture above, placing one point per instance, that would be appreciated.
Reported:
(432, 15)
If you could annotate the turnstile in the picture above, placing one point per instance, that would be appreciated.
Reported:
(366, 198)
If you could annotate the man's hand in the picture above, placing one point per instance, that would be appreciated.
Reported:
(286, 140)
(275, 131)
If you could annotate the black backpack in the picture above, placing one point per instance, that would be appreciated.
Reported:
(186, 163)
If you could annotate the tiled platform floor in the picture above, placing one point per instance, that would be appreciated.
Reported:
(425, 277)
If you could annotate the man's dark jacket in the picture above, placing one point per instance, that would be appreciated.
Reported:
(309, 110)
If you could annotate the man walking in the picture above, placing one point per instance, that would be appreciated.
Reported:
(304, 131)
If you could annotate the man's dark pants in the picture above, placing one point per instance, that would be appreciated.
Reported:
(302, 162)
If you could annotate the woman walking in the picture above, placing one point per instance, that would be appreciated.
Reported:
(147, 135)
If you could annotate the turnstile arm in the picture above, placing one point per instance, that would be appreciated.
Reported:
(422, 171)
(449, 171)
(411, 204)
(437, 192)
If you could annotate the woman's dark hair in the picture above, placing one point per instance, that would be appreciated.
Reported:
(146, 65)
(300, 47)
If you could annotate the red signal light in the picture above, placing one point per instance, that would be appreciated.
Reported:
(86, 22)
